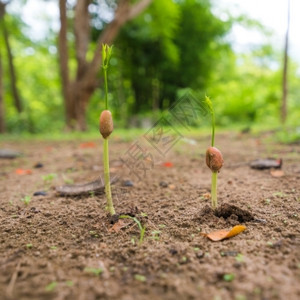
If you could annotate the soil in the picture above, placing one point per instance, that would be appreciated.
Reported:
(62, 247)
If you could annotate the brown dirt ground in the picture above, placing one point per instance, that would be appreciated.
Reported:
(53, 247)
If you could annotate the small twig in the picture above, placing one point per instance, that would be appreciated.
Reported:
(96, 187)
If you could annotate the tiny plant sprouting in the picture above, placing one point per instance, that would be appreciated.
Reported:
(214, 158)
(26, 200)
(49, 177)
(156, 234)
(51, 286)
(141, 228)
(95, 271)
(106, 128)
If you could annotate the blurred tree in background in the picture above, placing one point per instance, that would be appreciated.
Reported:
(162, 49)
(170, 47)
(78, 91)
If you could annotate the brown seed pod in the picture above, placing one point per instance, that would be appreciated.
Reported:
(214, 159)
(106, 125)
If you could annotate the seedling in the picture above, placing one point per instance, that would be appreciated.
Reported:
(29, 246)
(69, 283)
(139, 277)
(49, 177)
(95, 271)
(51, 286)
(214, 158)
(141, 228)
(228, 277)
(26, 200)
(106, 128)
(156, 234)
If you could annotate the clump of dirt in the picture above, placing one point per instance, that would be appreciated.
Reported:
(231, 211)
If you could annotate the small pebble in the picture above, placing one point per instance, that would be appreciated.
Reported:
(163, 184)
(128, 183)
(40, 193)
(200, 254)
(173, 251)
(38, 165)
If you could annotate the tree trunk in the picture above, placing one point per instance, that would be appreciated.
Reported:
(283, 110)
(2, 123)
(78, 91)
(12, 72)
(64, 63)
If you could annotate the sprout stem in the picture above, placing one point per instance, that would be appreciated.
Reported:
(110, 206)
(214, 199)
(213, 127)
(106, 87)
(212, 113)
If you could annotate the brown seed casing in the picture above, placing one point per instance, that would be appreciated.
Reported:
(106, 125)
(214, 159)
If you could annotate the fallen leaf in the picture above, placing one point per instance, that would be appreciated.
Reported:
(224, 234)
(277, 173)
(167, 164)
(23, 172)
(118, 226)
(87, 145)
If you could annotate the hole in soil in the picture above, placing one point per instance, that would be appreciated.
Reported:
(228, 211)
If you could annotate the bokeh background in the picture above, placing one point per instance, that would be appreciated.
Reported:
(245, 55)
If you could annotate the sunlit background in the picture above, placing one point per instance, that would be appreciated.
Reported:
(244, 78)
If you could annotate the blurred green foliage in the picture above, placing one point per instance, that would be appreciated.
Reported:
(173, 46)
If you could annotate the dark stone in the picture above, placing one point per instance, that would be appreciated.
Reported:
(128, 183)
(163, 184)
(40, 193)
(38, 165)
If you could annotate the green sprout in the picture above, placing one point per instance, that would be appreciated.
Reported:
(212, 113)
(106, 128)
(141, 228)
(51, 286)
(94, 271)
(26, 200)
(214, 159)
(156, 234)
(228, 277)
(49, 177)
(29, 246)
(140, 278)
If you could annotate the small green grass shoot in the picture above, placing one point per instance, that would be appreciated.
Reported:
(94, 271)
(49, 177)
(141, 227)
(26, 200)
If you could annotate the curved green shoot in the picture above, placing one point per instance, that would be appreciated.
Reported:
(141, 228)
